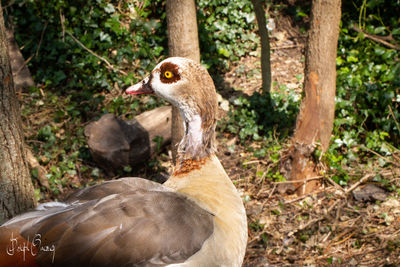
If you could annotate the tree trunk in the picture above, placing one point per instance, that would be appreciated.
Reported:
(183, 41)
(315, 120)
(265, 48)
(16, 190)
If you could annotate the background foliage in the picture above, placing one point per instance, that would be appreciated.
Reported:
(131, 35)
(368, 86)
(82, 53)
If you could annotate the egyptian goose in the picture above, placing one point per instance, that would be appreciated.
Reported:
(196, 218)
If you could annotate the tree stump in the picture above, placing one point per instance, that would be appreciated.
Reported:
(115, 143)
(21, 74)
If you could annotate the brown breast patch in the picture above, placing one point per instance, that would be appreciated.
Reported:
(188, 165)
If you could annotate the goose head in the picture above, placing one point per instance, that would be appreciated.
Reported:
(188, 86)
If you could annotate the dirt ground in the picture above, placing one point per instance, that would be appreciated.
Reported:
(326, 228)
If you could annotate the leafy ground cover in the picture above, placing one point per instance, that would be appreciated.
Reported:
(329, 227)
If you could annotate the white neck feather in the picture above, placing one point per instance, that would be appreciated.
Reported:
(193, 139)
(197, 143)
(195, 132)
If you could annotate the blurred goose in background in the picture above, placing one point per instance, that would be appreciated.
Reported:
(196, 218)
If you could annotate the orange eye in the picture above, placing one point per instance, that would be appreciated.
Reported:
(168, 74)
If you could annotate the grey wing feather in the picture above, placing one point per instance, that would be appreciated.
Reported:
(134, 228)
(114, 186)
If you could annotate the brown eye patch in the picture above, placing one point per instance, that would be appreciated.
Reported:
(169, 73)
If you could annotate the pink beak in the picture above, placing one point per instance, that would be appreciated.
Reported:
(142, 87)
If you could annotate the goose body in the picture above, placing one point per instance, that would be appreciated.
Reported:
(196, 218)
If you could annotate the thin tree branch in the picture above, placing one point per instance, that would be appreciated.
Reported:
(394, 118)
(379, 155)
(109, 65)
(376, 38)
(41, 38)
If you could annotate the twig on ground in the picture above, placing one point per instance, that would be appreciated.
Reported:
(361, 181)
(273, 190)
(251, 162)
(299, 181)
(335, 184)
(301, 197)
(109, 65)
(286, 47)
(313, 221)
(343, 240)
(255, 238)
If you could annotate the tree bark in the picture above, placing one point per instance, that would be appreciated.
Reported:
(183, 41)
(16, 190)
(265, 47)
(315, 120)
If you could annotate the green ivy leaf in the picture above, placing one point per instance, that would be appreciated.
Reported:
(109, 8)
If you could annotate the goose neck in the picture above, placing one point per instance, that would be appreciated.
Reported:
(197, 144)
